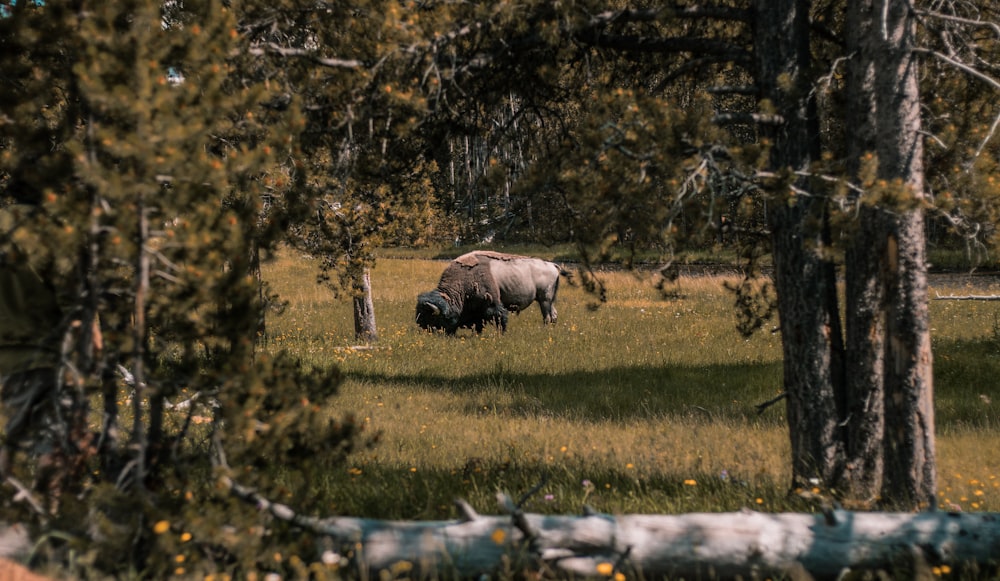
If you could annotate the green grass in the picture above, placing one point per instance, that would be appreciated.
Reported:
(644, 404)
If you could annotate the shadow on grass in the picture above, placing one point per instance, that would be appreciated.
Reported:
(967, 384)
(966, 378)
(712, 393)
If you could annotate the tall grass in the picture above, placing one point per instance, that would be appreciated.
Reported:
(641, 404)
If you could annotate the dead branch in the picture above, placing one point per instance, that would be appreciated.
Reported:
(763, 406)
(285, 51)
(24, 495)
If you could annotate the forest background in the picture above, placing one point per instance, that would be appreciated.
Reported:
(172, 146)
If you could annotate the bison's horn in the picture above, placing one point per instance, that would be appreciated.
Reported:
(434, 309)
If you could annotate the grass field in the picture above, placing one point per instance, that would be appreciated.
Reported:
(643, 404)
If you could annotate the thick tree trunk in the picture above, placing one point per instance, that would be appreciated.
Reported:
(864, 272)
(910, 459)
(864, 377)
(364, 309)
(890, 422)
(804, 278)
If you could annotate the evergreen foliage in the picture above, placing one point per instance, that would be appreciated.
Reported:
(156, 169)
(171, 146)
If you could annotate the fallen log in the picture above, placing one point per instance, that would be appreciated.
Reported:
(967, 298)
(745, 544)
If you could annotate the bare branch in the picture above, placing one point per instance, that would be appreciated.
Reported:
(272, 48)
(977, 74)
(962, 66)
(822, 177)
(827, 79)
(958, 19)
(933, 138)
(763, 406)
(653, 14)
(24, 495)
(747, 119)
(989, 136)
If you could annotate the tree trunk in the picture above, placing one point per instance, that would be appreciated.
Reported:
(910, 460)
(864, 272)
(809, 327)
(364, 309)
(891, 418)
(260, 337)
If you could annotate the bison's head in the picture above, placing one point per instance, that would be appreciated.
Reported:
(434, 312)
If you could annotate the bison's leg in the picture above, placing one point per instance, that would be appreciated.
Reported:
(548, 311)
(497, 314)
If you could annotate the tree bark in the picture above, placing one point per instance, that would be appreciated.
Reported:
(860, 418)
(364, 309)
(804, 278)
(910, 459)
(864, 273)
(891, 420)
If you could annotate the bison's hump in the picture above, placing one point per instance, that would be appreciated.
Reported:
(471, 259)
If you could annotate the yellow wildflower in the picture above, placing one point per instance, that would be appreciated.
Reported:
(498, 536)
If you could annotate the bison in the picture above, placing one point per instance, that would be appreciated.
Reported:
(483, 286)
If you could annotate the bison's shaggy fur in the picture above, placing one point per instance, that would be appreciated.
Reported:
(483, 287)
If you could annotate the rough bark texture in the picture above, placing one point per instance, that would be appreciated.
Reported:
(864, 268)
(860, 416)
(890, 420)
(909, 439)
(809, 327)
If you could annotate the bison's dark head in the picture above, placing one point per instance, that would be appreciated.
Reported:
(434, 312)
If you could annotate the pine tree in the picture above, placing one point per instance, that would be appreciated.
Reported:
(366, 171)
(157, 161)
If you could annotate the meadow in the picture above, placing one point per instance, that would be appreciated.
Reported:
(643, 404)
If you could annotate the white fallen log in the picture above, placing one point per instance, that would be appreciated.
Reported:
(967, 298)
(743, 544)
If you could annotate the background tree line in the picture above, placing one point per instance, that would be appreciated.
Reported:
(171, 145)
